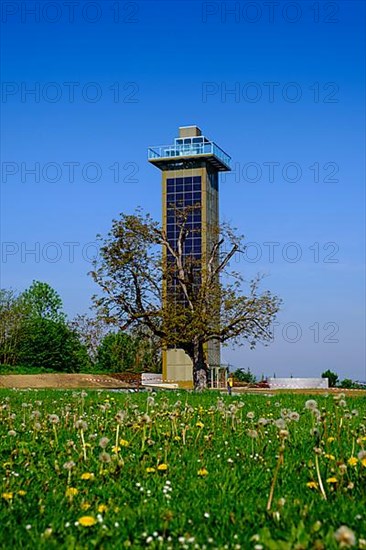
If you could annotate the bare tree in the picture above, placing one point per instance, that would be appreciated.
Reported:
(91, 331)
(186, 302)
(12, 313)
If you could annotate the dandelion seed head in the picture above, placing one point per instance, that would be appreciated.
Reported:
(120, 417)
(104, 457)
(311, 404)
(53, 419)
(69, 465)
(81, 425)
(280, 423)
(345, 537)
(103, 442)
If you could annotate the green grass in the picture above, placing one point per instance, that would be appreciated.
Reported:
(214, 492)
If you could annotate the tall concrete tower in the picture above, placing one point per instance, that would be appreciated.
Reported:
(190, 176)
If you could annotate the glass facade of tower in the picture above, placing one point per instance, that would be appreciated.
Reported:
(180, 194)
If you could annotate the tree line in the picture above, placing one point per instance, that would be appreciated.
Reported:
(36, 336)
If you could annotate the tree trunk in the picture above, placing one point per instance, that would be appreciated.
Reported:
(200, 367)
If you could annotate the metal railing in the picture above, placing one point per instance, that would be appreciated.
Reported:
(173, 151)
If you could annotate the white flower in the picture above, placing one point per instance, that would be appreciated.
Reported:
(311, 404)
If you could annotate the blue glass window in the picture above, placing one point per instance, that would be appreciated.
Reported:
(197, 245)
(170, 184)
(187, 247)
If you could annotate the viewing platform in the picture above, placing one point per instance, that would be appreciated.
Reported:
(190, 149)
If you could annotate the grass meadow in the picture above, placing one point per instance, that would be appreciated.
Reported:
(102, 469)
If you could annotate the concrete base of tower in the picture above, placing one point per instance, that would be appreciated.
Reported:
(178, 367)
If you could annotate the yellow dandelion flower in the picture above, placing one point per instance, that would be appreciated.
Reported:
(162, 467)
(87, 475)
(21, 493)
(332, 480)
(312, 484)
(363, 462)
(330, 439)
(200, 424)
(87, 521)
(150, 470)
(71, 492)
(102, 508)
(329, 457)
(202, 472)
(124, 442)
(85, 506)
(7, 496)
(116, 449)
(352, 461)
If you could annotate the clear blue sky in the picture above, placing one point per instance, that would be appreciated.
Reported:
(107, 85)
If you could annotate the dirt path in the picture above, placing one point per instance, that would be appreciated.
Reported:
(65, 381)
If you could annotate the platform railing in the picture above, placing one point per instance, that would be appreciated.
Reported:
(189, 149)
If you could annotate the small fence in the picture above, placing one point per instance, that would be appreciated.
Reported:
(131, 379)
